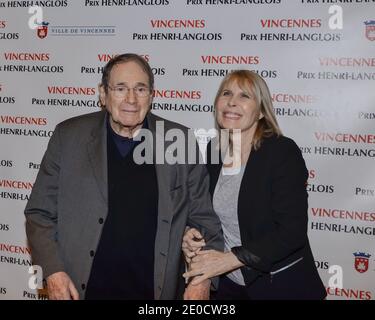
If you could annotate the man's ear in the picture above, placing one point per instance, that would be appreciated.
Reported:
(102, 95)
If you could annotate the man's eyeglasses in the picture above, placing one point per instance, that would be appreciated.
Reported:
(121, 91)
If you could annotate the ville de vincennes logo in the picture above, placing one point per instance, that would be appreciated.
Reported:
(361, 261)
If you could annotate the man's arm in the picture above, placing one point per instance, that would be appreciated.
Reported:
(201, 213)
(41, 211)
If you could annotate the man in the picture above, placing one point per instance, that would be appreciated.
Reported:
(99, 224)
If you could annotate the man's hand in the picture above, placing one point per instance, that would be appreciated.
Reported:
(61, 287)
(192, 243)
(198, 292)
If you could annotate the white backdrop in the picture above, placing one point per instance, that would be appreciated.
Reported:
(321, 77)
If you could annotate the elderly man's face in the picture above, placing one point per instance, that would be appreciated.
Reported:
(128, 97)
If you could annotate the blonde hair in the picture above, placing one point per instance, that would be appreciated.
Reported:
(267, 126)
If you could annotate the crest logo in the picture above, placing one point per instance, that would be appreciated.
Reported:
(42, 29)
(361, 261)
(370, 29)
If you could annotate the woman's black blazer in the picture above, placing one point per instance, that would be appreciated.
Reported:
(273, 217)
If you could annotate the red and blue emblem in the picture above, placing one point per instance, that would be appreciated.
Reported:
(361, 261)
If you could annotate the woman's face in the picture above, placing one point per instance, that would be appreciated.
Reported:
(237, 108)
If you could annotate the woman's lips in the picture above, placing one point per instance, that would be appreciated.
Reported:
(130, 111)
(231, 115)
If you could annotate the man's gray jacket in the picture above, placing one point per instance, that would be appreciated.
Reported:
(69, 201)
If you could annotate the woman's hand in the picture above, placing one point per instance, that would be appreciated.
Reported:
(211, 263)
(192, 243)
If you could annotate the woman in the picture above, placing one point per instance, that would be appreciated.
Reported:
(261, 200)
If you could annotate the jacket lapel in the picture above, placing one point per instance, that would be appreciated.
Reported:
(97, 153)
(250, 184)
(166, 174)
(213, 168)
